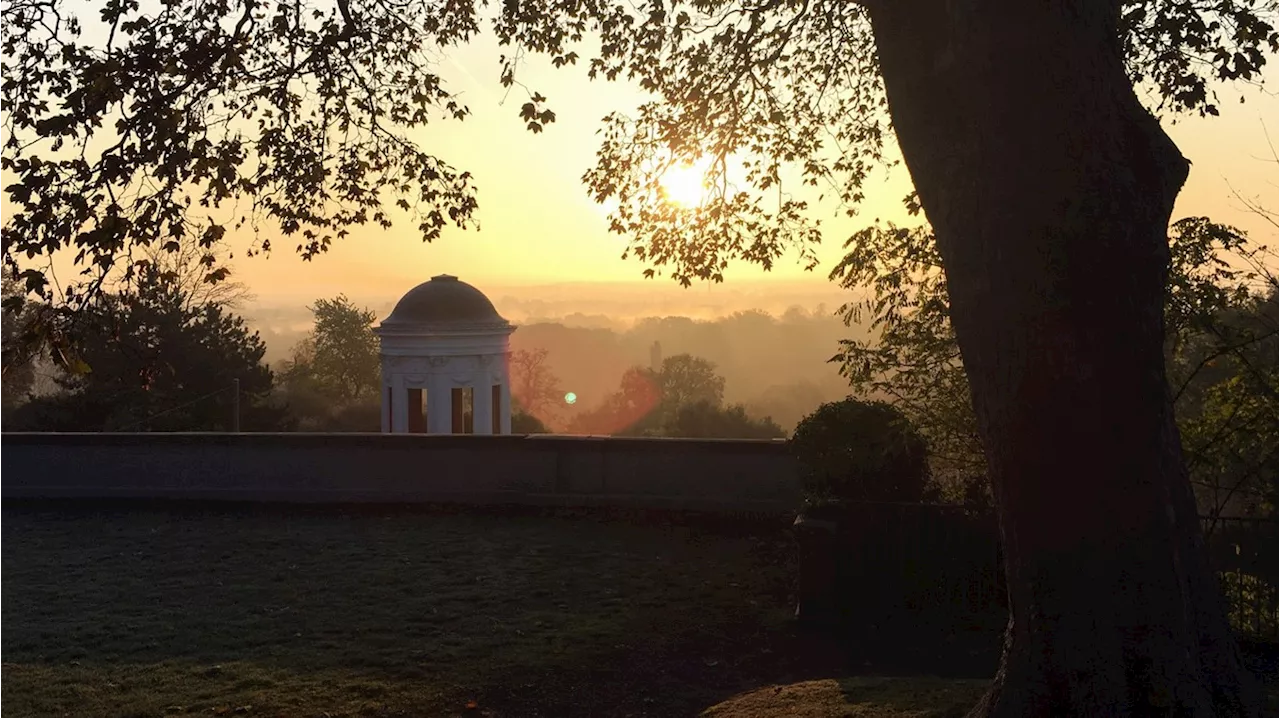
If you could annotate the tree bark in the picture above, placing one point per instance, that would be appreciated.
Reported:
(1050, 190)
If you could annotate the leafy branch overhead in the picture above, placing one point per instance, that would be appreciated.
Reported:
(129, 127)
(132, 126)
(536, 118)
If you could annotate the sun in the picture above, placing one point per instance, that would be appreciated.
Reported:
(684, 185)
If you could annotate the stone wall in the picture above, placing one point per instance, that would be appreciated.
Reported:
(681, 474)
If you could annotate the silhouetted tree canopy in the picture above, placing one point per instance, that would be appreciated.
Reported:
(159, 364)
(137, 126)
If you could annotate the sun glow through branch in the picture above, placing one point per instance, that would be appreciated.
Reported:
(685, 185)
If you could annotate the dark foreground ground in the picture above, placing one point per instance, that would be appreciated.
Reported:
(170, 610)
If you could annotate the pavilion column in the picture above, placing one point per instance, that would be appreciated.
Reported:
(505, 404)
(416, 423)
(458, 418)
(482, 402)
(399, 406)
(439, 405)
(385, 400)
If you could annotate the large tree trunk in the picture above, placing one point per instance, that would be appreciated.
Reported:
(1050, 190)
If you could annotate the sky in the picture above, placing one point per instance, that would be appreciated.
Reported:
(540, 232)
(544, 250)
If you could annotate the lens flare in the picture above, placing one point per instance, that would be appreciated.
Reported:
(571, 398)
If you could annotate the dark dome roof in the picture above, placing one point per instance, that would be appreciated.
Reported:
(444, 300)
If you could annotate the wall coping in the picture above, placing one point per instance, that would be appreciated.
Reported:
(349, 440)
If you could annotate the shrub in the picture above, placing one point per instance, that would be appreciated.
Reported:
(525, 423)
(853, 450)
(704, 420)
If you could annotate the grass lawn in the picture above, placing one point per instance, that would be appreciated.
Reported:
(241, 611)
(202, 610)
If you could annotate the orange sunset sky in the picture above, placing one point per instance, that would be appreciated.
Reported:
(539, 227)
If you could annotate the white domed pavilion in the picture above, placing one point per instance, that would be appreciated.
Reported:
(444, 362)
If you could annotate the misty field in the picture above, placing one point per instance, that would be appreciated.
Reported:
(313, 613)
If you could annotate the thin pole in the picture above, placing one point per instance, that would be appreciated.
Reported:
(235, 405)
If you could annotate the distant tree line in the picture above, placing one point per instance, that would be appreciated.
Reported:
(683, 396)
(774, 366)
(165, 353)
